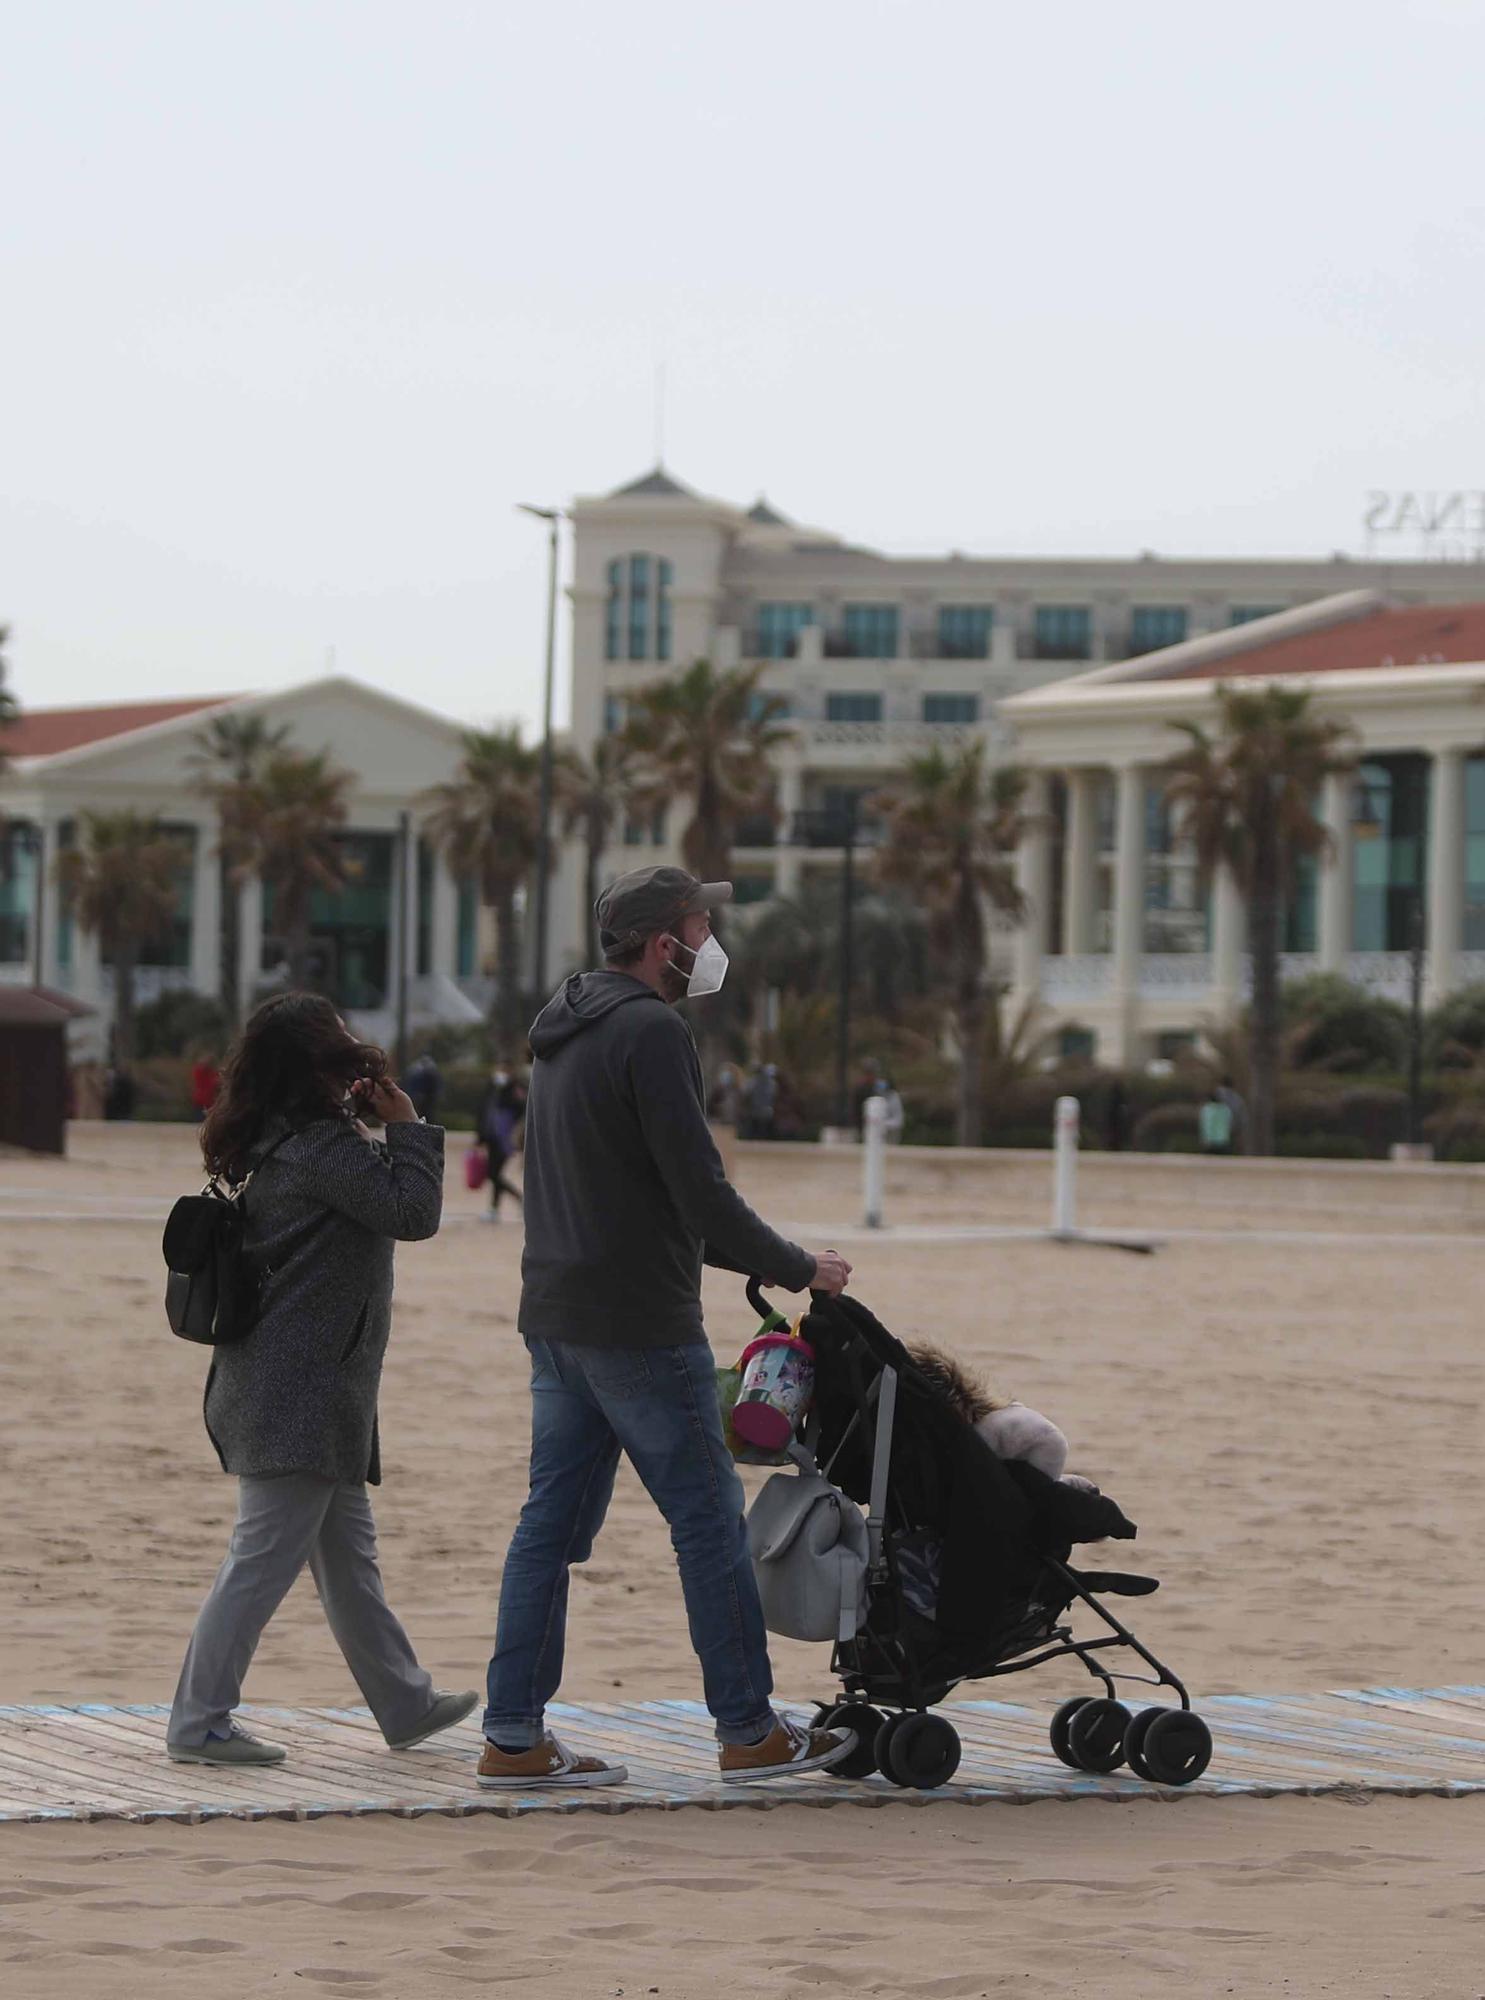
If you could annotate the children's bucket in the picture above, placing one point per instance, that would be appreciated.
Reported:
(778, 1380)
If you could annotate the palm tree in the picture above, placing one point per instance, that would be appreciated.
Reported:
(9, 707)
(485, 821)
(705, 737)
(231, 751)
(122, 882)
(952, 830)
(1246, 801)
(282, 825)
(595, 794)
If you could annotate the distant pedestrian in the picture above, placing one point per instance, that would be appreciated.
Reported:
(894, 1117)
(424, 1085)
(205, 1080)
(763, 1102)
(1215, 1123)
(496, 1123)
(1232, 1098)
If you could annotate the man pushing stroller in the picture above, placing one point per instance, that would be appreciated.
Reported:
(625, 1198)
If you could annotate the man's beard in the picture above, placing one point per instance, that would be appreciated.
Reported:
(673, 984)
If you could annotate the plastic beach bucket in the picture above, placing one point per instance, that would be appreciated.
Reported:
(778, 1380)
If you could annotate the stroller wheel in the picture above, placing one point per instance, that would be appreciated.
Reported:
(923, 1751)
(1177, 1747)
(1134, 1741)
(1095, 1736)
(882, 1748)
(1058, 1732)
(866, 1722)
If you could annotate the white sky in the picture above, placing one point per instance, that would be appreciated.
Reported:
(300, 297)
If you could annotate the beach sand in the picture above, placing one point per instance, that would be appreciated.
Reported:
(1296, 1426)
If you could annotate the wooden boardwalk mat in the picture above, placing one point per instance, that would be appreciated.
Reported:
(96, 1761)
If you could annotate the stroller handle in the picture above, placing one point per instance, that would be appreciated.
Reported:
(760, 1304)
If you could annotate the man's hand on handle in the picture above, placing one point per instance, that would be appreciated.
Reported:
(832, 1273)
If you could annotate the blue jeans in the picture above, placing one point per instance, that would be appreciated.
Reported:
(659, 1405)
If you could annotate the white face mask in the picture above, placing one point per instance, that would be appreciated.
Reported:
(708, 969)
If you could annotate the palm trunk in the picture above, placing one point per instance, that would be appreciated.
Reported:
(125, 957)
(592, 862)
(507, 1010)
(229, 947)
(1264, 1024)
(969, 1020)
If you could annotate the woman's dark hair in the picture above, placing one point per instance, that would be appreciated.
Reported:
(294, 1059)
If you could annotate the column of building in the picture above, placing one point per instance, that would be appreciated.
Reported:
(1034, 881)
(1129, 907)
(1446, 849)
(206, 910)
(1080, 865)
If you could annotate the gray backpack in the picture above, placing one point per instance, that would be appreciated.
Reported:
(810, 1553)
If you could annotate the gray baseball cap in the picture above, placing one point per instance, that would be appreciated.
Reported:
(647, 900)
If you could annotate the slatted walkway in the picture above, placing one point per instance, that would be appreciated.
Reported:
(97, 1762)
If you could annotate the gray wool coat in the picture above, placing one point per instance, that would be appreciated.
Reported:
(323, 1213)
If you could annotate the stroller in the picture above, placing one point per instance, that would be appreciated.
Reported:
(967, 1575)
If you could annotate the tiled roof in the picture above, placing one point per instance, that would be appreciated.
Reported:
(655, 485)
(42, 732)
(1418, 635)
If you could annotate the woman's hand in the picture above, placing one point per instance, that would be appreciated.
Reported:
(384, 1100)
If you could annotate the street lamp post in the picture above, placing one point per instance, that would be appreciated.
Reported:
(839, 826)
(553, 516)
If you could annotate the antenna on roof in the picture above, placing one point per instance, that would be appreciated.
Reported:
(329, 667)
(659, 413)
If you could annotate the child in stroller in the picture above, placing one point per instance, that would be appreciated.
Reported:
(1012, 1429)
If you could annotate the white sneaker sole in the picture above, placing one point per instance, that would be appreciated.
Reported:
(793, 1770)
(612, 1774)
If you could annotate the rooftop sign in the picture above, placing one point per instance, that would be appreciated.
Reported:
(1442, 527)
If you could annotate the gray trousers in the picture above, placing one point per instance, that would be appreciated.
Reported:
(282, 1524)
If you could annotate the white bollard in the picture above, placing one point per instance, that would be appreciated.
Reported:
(874, 1163)
(1065, 1120)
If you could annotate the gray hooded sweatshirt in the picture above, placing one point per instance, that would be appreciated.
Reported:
(625, 1194)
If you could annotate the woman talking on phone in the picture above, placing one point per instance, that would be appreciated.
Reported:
(292, 1407)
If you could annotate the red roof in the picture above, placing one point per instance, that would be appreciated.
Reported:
(42, 732)
(1421, 635)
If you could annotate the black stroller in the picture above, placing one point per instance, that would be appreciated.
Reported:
(968, 1575)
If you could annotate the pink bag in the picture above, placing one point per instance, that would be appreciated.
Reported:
(476, 1168)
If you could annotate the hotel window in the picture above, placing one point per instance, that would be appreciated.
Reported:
(637, 615)
(870, 631)
(173, 948)
(767, 704)
(853, 708)
(17, 891)
(964, 631)
(1152, 626)
(1063, 632)
(1474, 854)
(645, 831)
(951, 708)
(779, 627)
(615, 713)
(1244, 614)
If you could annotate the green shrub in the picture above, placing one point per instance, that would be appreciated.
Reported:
(163, 1090)
(1341, 1027)
(1455, 1030)
(179, 1023)
(1167, 1128)
(1319, 1146)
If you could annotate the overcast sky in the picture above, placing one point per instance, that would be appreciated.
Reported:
(300, 298)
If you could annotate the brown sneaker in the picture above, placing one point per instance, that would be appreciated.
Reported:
(785, 1752)
(545, 1765)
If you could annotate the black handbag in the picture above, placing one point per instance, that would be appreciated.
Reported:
(211, 1291)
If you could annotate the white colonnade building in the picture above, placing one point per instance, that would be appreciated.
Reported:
(66, 762)
(1132, 954)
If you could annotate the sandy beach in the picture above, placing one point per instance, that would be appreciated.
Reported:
(1288, 1401)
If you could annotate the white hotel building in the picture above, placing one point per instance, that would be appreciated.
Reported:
(1076, 667)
